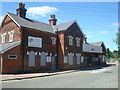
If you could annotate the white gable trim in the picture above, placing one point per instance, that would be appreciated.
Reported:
(11, 18)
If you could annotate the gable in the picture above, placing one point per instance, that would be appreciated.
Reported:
(8, 21)
(75, 30)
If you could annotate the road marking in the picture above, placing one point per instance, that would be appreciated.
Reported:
(101, 70)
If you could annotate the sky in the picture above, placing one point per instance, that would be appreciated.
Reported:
(98, 20)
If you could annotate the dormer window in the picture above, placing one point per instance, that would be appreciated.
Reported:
(11, 36)
(3, 37)
(77, 41)
(53, 40)
(70, 40)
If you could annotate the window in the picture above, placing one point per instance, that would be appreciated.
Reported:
(12, 56)
(77, 41)
(31, 58)
(48, 59)
(11, 36)
(78, 58)
(3, 37)
(65, 59)
(43, 59)
(53, 40)
(103, 58)
(82, 59)
(70, 40)
(70, 58)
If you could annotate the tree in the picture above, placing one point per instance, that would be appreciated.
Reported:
(118, 42)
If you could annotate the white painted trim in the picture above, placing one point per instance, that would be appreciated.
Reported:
(13, 19)
(28, 53)
(12, 55)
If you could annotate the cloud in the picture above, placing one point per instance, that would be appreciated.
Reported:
(42, 11)
(116, 31)
(115, 24)
(104, 31)
(89, 36)
(90, 32)
(1, 18)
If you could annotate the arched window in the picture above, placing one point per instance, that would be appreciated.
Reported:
(70, 58)
(77, 41)
(3, 37)
(31, 58)
(78, 58)
(11, 33)
(70, 40)
(43, 59)
(53, 40)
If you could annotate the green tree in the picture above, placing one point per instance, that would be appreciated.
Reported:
(118, 43)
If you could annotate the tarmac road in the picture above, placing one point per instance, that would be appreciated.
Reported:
(100, 78)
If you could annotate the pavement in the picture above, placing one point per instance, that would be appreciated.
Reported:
(7, 77)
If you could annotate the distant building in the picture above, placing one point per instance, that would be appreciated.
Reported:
(32, 46)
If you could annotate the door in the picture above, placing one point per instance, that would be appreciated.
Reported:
(53, 63)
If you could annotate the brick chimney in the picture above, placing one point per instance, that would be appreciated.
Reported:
(52, 20)
(21, 11)
(85, 40)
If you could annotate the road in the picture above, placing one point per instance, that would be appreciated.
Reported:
(100, 78)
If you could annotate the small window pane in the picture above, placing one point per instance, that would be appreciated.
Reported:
(12, 56)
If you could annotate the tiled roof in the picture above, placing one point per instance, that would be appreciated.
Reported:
(25, 22)
(8, 46)
(97, 43)
(64, 26)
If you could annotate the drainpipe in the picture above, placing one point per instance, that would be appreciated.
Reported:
(22, 48)
(57, 48)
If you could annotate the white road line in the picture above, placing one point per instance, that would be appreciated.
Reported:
(101, 70)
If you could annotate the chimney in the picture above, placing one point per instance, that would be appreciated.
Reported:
(52, 20)
(21, 11)
(85, 40)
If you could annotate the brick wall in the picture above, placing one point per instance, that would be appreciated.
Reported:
(47, 46)
(7, 26)
(12, 65)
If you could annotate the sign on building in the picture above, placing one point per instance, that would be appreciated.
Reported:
(34, 41)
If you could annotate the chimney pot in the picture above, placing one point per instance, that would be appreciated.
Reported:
(52, 20)
(21, 11)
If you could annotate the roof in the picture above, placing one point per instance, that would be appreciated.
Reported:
(97, 43)
(91, 48)
(64, 26)
(29, 23)
(8, 46)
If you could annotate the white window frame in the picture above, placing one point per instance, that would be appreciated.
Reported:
(12, 58)
(65, 59)
(3, 37)
(77, 41)
(11, 36)
(48, 58)
(53, 40)
(70, 40)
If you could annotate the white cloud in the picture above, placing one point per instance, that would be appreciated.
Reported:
(89, 36)
(90, 32)
(104, 31)
(115, 24)
(42, 11)
(116, 31)
(1, 18)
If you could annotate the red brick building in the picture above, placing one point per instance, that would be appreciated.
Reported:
(29, 46)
